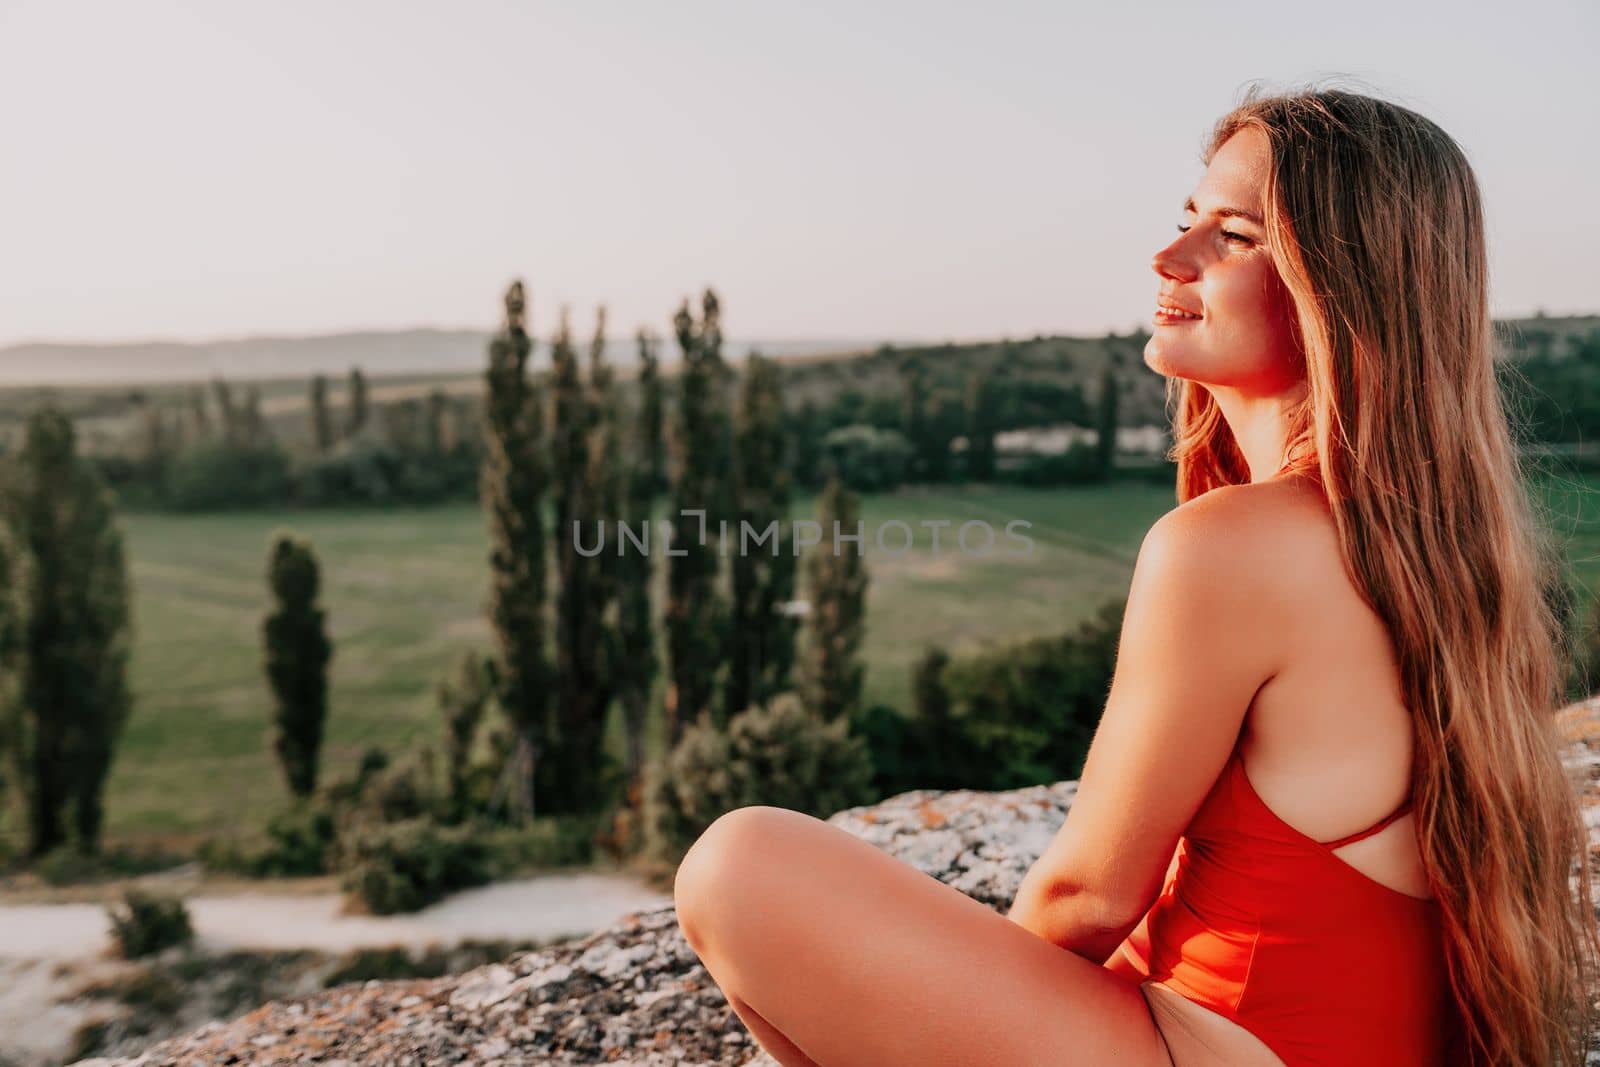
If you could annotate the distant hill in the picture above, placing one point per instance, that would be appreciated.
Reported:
(378, 353)
(429, 351)
(99, 386)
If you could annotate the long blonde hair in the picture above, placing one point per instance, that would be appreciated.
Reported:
(1375, 224)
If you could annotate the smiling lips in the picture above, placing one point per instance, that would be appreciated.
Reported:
(1168, 314)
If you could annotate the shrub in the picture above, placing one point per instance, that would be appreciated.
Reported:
(149, 922)
(69, 864)
(302, 842)
(1078, 465)
(546, 841)
(384, 965)
(407, 865)
(402, 791)
(222, 476)
(389, 964)
(150, 989)
(783, 755)
(368, 471)
(1016, 715)
(304, 839)
(891, 740)
(866, 458)
(1027, 710)
(1584, 638)
(299, 841)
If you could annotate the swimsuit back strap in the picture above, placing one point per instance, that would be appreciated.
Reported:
(1369, 831)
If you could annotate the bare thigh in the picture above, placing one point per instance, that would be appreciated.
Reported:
(1198, 1037)
(864, 961)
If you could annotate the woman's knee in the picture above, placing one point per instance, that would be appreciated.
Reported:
(716, 860)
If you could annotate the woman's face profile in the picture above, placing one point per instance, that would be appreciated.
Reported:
(1219, 268)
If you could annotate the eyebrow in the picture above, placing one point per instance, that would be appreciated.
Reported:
(1227, 212)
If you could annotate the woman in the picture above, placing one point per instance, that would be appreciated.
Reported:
(1322, 820)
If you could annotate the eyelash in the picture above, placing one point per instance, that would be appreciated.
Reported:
(1225, 233)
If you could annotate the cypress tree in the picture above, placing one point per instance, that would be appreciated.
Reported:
(356, 403)
(938, 732)
(636, 640)
(837, 586)
(696, 613)
(404, 425)
(982, 421)
(253, 432)
(914, 413)
(435, 431)
(942, 423)
(199, 419)
(809, 426)
(155, 444)
(584, 654)
(74, 698)
(761, 636)
(227, 412)
(321, 417)
(296, 658)
(512, 488)
(926, 419)
(652, 408)
(13, 580)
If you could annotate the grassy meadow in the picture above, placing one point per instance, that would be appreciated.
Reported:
(405, 591)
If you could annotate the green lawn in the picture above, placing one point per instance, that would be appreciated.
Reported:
(404, 592)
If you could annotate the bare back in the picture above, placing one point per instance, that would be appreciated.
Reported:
(1326, 743)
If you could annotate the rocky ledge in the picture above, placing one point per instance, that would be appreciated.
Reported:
(635, 993)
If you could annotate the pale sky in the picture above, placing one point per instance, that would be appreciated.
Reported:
(847, 168)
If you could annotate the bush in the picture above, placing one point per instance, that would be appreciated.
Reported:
(367, 471)
(1156, 470)
(868, 459)
(384, 965)
(402, 791)
(1017, 715)
(149, 922)
(70, 865)
(389, 964)
(1078, 465)
(783, 755)
(547, 841)
(891, 739)
(1027, 710)
(222, 476)
(407, 865)
(149, 989)
(303, 840)
(299, 841)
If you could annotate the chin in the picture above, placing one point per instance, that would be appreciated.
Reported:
(1161, 359)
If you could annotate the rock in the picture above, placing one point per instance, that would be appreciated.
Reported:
(635, 994)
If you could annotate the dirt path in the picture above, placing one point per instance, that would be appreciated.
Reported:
(539, 908)
(48, 951)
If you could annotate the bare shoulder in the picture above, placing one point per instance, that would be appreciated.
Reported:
(1276, 537)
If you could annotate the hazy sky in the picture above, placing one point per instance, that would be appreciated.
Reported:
(860, 169)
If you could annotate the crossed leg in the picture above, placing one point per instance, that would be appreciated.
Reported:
(836, 954)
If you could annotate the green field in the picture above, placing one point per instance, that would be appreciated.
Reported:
(404, 592)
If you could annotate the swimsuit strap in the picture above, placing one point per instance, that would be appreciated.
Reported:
(1369, 831)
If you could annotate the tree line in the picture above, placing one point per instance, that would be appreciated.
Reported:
(559, 452)
(741, 661)
(216, 450)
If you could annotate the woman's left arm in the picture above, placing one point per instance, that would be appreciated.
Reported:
(1203, 631)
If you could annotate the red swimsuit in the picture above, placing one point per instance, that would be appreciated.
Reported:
(1267, 927)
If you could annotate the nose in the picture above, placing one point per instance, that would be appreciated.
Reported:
(1171, 263)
